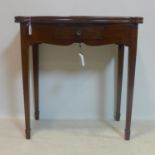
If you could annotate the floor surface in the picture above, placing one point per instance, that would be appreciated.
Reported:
(76, 138)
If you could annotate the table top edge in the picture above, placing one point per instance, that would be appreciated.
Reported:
(77, 19)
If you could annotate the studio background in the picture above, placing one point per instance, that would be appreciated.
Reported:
(68, 91)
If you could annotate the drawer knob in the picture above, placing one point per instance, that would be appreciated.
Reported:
(78, 33)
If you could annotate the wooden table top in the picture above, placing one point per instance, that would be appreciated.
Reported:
(77, 19)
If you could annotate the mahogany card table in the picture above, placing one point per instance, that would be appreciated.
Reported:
(122, 31)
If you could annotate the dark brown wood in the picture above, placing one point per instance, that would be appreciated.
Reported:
(25, 73)
(119, 80)
(64, 34)
(77, 19)
(89, 30)
(35, 53)
(131, 75)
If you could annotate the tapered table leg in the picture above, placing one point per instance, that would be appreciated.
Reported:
(131, 74)
(119, 80)
(35, 51)
(25, 74)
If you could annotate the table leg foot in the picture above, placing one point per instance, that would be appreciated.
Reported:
(117, 116)
(28, 133)
(36, 115)
(127, 134)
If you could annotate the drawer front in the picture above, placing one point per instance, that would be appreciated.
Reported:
(78, 33)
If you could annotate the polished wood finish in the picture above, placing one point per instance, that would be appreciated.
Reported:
(131, 75)
(25, 73)
(89, 30)
(78, 19)
(119, 79)
(35, 55)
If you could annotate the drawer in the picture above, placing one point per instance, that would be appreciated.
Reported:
(77, 33)
(68, 32)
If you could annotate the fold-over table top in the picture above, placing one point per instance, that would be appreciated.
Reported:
(77, 19)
